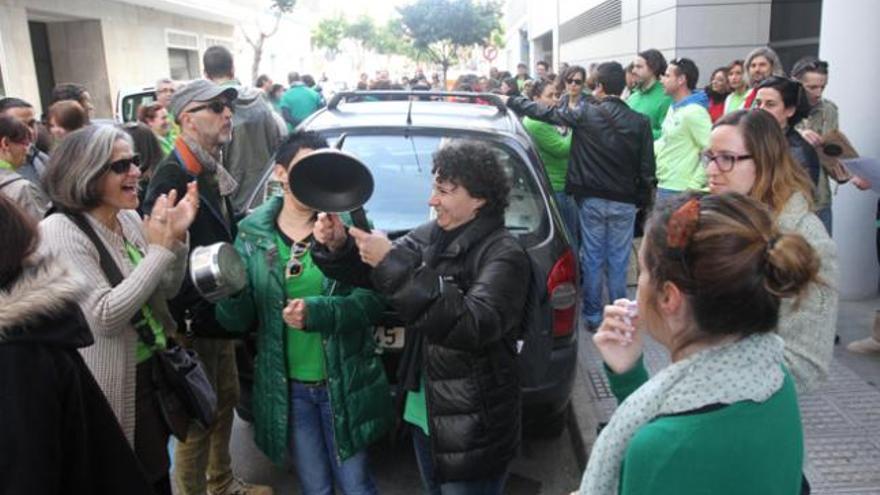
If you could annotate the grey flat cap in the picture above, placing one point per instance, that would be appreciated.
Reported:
(199, 90)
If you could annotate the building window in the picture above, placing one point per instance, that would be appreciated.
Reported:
(183, 54)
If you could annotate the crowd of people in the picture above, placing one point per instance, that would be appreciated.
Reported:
(726, 185)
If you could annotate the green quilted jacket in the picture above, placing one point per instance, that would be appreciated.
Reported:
(359, 394)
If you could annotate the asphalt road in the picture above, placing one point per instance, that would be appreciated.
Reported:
(545, 466)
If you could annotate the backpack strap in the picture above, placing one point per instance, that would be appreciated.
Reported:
(10, 181)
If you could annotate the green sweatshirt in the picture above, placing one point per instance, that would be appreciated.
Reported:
(653, 103)
(745, 447)
(685, 135)
(554, 149)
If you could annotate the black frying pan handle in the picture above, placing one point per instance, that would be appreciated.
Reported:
(359, 219)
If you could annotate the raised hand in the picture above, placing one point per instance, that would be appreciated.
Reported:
(294, 314)
(157, 226)
(329, 231)
(372, 246)
(618, 339)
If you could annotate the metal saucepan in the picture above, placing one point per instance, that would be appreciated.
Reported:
(217, 271)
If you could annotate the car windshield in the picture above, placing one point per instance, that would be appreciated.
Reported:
(401, 168)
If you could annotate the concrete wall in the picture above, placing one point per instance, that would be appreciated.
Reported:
(135, 51)
(849, 37)
(78, 55)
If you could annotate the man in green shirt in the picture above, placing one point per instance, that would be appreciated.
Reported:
(298, 102)
(686, 132)
(648, 97)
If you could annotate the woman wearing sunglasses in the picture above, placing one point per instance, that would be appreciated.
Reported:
(723, 417)
(748, 154)
(320, 395)
(92, 179)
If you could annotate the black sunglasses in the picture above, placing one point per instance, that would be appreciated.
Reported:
(575, 81)
(122, 166)
(215, 106)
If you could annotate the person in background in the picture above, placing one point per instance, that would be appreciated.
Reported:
(35, 163)
(574, 92)
(648, 97)
(15, 140)
(274, 96)
(155, 116)
(59, 434)
(738, 86)
(298, 102)
(264, 83)
(255, 132)
(93, 175)
(784, 99)
(65, 117)
(717, 91)
(631, 81)
(685, 131)
(509, 87)
(761, 63)
(462, 317)
(748, 154)
(554, 146)
(165, 89)
(522, 75)
(723, 418)
(821, 120)
(75, 92)
(146, 146)
(610, 175)
(322, 338)
(541, 69)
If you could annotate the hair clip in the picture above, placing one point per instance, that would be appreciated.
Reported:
(682, 224)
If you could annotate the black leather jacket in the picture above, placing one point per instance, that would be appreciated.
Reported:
(804, 154)
(464, 313)
(612, 149)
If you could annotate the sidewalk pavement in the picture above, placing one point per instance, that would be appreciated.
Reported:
(841, 419)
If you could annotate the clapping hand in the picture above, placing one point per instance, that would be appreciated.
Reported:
(618, 339)
(373, 246)
(182, 214)
(170, 219)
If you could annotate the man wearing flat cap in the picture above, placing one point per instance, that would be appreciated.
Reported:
(203, 110)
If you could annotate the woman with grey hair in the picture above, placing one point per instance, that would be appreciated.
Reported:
(92, 179)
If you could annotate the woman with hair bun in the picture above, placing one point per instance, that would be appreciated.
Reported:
(749, 154)
(723, 418)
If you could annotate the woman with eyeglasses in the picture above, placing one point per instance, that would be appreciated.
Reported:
(92, 179)
(748, 154)
(320, 395)
(723, 418)
(15, 140)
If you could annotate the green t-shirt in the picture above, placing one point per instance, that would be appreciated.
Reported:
(554, 149)
(685, 135)
(735, 101)
(305, 352)
(143, 351)
(415, 411)
(653, 103)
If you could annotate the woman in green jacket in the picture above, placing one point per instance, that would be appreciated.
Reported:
(320, 393)
(554, 146)
(723, 417)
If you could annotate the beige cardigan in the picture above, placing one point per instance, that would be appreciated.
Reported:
(809, 328)
(108, 311)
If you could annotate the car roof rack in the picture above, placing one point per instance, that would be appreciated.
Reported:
(490, 97)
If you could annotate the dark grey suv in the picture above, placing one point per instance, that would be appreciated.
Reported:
(395, 135)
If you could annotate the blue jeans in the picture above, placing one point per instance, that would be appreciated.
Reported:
(569, 212)
(606, 241)
(422, 447)
(314, 449)
(663, 194)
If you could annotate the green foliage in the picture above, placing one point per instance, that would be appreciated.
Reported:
(440, 29)
(329, 33)
(283, 6)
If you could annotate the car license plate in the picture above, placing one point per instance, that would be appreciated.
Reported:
(389, 338)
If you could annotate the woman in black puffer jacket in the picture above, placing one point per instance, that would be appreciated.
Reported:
(57, 431)
(458, 284)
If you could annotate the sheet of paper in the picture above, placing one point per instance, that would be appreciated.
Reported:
(867, 168)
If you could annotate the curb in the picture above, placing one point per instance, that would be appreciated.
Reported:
(583, 418)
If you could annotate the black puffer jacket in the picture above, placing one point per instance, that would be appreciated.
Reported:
(612, 148)
(465, 312)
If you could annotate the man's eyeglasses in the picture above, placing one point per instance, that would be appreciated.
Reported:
(123, 165)
(723, 161)
(294, 266)
(215, 106)
(574, 81)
